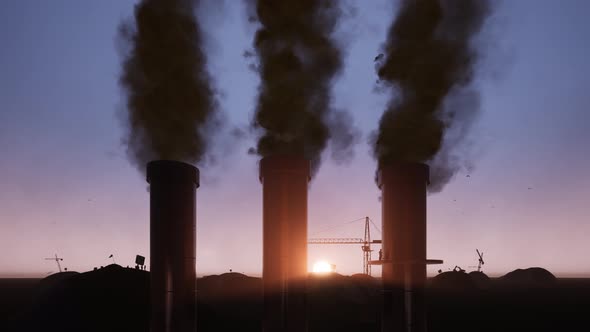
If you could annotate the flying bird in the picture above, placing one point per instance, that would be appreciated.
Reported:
(379, 57)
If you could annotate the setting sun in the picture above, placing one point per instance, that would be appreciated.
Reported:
(323, 267)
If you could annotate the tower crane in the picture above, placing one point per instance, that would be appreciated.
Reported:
(365, 243)
(56, 259)
(480, 261)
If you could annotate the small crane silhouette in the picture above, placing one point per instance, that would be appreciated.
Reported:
(480, 261)
(56, 259)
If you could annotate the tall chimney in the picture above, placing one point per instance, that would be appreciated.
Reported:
(403, 197)
(172, 245)
(284, 273)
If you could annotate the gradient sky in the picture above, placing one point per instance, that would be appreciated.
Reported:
(66, 186)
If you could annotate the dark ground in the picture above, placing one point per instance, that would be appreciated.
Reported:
(116, 299)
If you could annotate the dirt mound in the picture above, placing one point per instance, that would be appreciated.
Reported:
(229, 285)
(93, 300)
(533, 276)
(480, 279)
(453, 280)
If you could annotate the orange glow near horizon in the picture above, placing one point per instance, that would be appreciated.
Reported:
(323, 267)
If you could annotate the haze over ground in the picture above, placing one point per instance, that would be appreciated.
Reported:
(67, 187)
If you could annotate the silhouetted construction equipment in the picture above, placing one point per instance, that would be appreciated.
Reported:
(480, 261)
(365, 242)
(56, 259)
(139, 262)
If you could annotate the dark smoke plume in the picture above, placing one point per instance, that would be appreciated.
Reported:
(297, 62)
(170, 103)
(429, 65)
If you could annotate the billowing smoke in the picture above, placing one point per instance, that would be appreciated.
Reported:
(428, 64)
(170, 103)
(297, 62)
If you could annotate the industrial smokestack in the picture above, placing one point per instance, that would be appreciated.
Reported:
(284, 272)
(403, 188)
(172, 245)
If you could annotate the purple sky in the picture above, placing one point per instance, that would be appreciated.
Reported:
(66, 186)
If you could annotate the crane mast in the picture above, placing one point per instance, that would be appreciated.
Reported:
(365, 243)
(56, 259)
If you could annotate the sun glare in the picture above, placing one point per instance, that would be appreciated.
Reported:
(323, 267)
